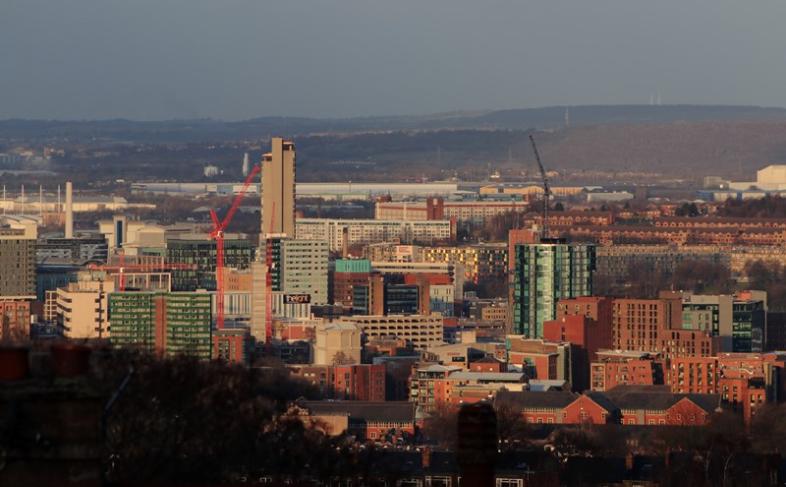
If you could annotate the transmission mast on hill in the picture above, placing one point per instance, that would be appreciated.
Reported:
(546, 188)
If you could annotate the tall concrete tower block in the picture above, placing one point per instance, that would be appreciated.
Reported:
(246, 164)
(278, 188)
(69, 210)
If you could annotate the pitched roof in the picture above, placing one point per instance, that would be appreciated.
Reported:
(543, 385)
(541, 400)
(661, 401)
(625, 389)
(393, 411)
(653, 399)
(602, 400)
(708, 402)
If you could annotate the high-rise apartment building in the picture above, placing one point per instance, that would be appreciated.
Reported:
(82, 308)
(543, 274)
(641, 324)
(164, 323)
(302, 268)
(278, 188)
(17, 258)
(656, 326)
(299, 275)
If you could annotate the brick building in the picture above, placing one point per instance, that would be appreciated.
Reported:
(617, 367)
(586, 337)
(365, 420)
(598, 308)
(718, 235)
(640, 406)
(347, 276)
(745, 381)
(657, 406)
(655, 325)
(435, 384)
(232, 344)
(540, 359)
(14, 319)
(357, 382)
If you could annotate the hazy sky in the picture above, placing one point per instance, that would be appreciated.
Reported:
(233, 59)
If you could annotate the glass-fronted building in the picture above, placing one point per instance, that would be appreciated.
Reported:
(748, 325)
(543, 274)
(238, 254)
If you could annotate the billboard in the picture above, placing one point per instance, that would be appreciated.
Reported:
(297, 298)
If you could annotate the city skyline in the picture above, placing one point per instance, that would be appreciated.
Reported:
(588, 293)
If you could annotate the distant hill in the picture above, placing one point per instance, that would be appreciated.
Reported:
(601, 143)
(181, 131)
(733, 149)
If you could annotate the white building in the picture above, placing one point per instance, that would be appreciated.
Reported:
(133, 234)
(608, 196)
(336, 338)
(770, 178)
(82, 308)
(423, 331)
(362, 232)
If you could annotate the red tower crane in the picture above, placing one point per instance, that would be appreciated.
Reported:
(217, 234)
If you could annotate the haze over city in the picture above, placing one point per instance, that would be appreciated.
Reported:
(392, 244)
(149, 60)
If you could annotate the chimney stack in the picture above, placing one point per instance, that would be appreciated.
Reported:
(69, 211)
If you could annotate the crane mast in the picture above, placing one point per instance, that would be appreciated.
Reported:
(546, 188)
(217, 234)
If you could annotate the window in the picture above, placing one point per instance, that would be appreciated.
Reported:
(502, 482)
(438, 482)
